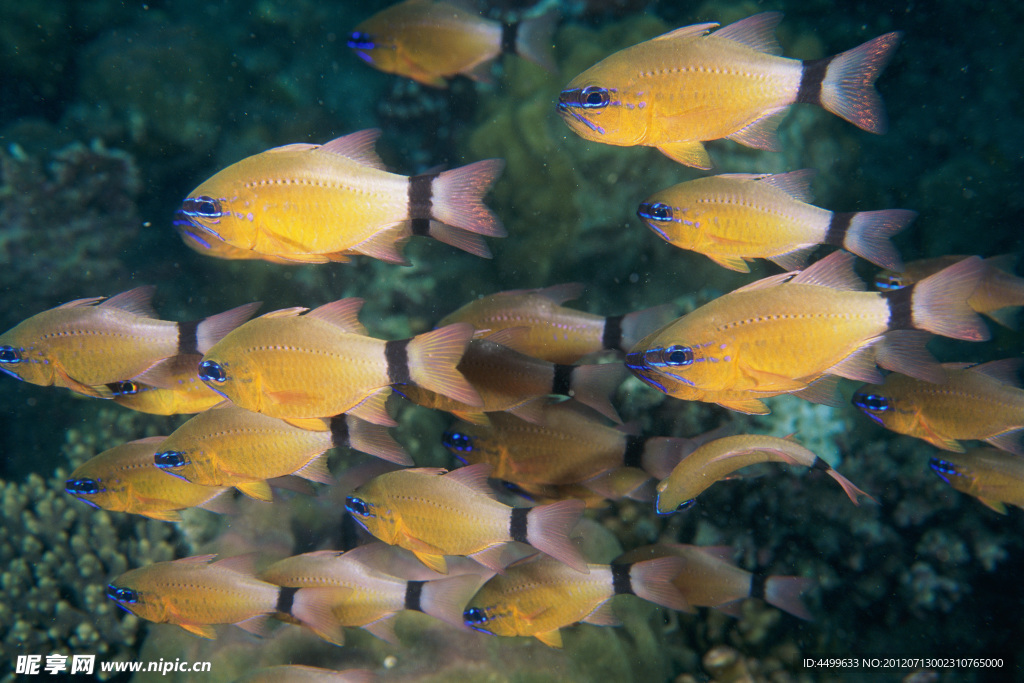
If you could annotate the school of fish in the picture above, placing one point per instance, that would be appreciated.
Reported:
(530, 380)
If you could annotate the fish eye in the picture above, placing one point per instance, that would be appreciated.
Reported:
(125, 388)
(594, 97)
(204, 207)
(358, 40)
(358, 506)
(122, 594)
(82, 487)
(475, 616)
(211, 371)
(678, 355)
(457, 441)
(655, 212)
(9, 354)
(170, 460)
(889, 282)
(686, 505)
(944, 468)
(872, 402)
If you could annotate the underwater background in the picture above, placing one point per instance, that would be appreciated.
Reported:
(111, 112)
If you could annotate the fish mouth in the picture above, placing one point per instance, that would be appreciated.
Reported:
(567, 110)
(192, 229)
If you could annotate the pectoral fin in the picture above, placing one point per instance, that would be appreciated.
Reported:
(201, 630)
(687, 153)
(550, 638)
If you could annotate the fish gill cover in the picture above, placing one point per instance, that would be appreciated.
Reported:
(113, 113)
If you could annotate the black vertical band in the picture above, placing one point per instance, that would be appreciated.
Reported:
(611, 338)
(820, 465)
(620, 579)
(188, 341)
(396, 353)
(509, 33)
(837, 228)
(757, 584)
(413, 592)
(421, 195)
(562, 382)
(420, 226)
(901, 312)
(517, 524)
(339, 431)
(285, 599)
(811, 77)
(633, 457)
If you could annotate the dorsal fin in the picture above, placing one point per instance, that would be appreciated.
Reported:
(797, 184)
(694, 31)
(1006, 371)
(135, 301)
(196, 559)
(835, 271)
(756, 32)
(294, 147)
(89, 301)
(342, 313)
(474, 477)
(561, 293)
(242, 564)
(285, 312)
(358, 147)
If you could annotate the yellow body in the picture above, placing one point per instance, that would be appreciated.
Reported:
(427, 41)
(126, 480)
(992, 476)
(706, 580)
(732, 219)
(970, 404)
(195, 593)
(184, 394)
(89, 342)
(232, 446)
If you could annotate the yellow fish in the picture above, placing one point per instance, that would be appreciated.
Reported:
(999, 294)
(124, 479)
(709, 579)
(552, 332)
(318, 203)
(349, 592)
(232, 446)
(508, 380)
(87, 343)
(717, 459)
(735, 218)
(683, 88)
(322, 364)
(992, 476)
(181, 391)
(983, 402)
(781, 334)
(540, 596)
(195, 593)
(430, 41)
(434, 513)
(569, 445)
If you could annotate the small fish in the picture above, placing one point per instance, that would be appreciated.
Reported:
(317, 203)
(983, 402)
(992, 476)
(686, 87)
(999, 294)
(735, 218)
(434, 513)
(783, 333)
(569, 445)
(124, 479)
(348, 591)
(87, 343)
(717, 459)
(232, 446)
(552, 332)
(297, 673)
(430, 41)
(196, 593)
(182, 391)
(507, 380)
(322, 364)
(538, 597)
(709, 579)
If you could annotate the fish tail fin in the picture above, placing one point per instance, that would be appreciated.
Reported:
(456, 197)
(460, 239)
(938, 303)
(433, 358)
(662, 454)
(637, 325)
(591, 385)
(852, 491)
(652, 581)
(868, 233)
(367, 437)
(534, 38)
(785, 592)
(211, 330)
(846, 82)
(548, 528)
(312, 607)
(447, 598)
